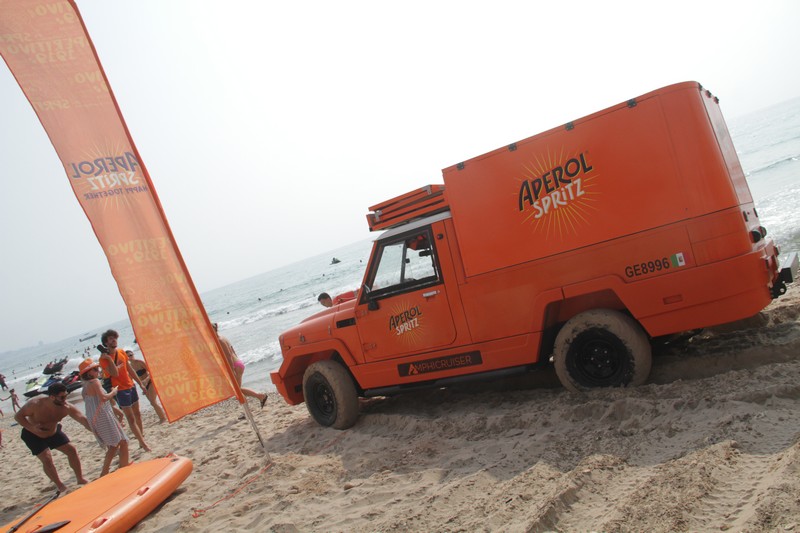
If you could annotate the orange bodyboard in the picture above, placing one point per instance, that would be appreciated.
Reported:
(115, 502)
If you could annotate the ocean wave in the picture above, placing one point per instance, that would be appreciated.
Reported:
(774, 164)
(265, 352)
(264, 314)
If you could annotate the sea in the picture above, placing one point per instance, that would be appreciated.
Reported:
(253, 312)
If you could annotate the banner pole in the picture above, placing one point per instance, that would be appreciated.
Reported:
(249, 416)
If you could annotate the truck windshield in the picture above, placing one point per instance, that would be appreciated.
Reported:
(405, 262)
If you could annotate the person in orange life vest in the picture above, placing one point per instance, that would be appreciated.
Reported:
(326, 300)
(115, 364)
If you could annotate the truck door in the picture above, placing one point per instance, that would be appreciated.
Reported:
(403, 308)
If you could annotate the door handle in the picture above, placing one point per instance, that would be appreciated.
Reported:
(429, 294)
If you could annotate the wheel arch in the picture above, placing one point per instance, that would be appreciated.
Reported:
(574, 301)
(299, 359)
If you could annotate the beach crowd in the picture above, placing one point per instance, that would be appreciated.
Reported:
(111, 408)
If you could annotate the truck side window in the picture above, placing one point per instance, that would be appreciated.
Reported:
(405, 263)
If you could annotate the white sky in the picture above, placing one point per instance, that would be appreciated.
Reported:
(269, 127)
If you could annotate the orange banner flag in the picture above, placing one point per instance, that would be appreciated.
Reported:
(47, 48)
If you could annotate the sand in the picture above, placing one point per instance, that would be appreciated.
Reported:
(709, 444)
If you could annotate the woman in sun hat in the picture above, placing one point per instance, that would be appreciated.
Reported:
(101, 418)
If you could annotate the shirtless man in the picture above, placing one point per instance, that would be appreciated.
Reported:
(41, 431)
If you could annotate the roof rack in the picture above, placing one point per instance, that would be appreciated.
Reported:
(418, 203)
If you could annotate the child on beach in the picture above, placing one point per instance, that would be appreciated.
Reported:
(14, 400)
(101, 418)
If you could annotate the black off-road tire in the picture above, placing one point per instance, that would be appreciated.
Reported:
(330, 394)
(602, 348)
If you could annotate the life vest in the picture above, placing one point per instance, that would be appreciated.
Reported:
(344, 297)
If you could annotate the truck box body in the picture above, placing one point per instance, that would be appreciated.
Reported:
(636, 166)
(581, 242)
(645, 187)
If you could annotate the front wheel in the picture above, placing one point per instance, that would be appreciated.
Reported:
(330, 394)
(601, 348)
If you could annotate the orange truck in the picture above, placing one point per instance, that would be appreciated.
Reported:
(573, 248)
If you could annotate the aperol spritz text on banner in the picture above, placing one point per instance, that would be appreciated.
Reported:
(47, 48)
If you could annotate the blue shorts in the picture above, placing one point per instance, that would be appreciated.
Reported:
(126, 398)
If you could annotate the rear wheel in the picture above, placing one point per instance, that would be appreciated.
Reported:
(330, 394)
(601, 348)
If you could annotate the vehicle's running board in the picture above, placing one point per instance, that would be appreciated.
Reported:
(482, 376)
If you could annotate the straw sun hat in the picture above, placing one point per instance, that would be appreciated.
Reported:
(86, 365)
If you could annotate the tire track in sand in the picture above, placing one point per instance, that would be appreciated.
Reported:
(742, 482)
(592, 495)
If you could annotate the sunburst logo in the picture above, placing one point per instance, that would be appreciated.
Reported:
(406, 323)
(108, 178)
(557, 193)
(99, 163)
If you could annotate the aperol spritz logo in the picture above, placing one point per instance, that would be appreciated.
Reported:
(108, 173)
(556, 192)
(104, 166)
(405, 321)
